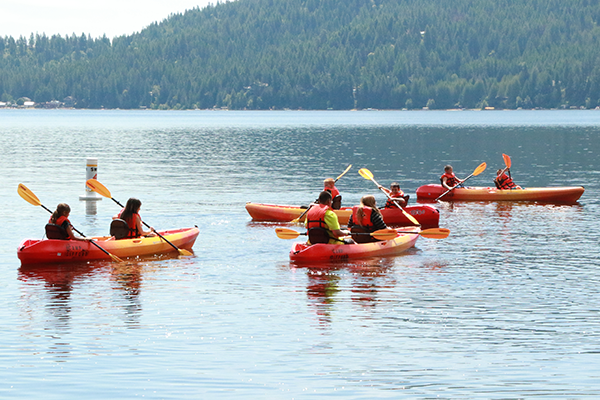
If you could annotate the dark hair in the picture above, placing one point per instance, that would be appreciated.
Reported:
(132, 207)
(324, 197)
(61, 209)
(396, 184)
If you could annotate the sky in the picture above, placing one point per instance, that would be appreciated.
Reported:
(94, 17)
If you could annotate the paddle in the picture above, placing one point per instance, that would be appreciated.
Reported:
(382, 234)
(508, 163)
(31, 198)
(365, 173)
(99, 188)
(477, 171)
(294, 221)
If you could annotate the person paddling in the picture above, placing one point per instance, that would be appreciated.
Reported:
(448, 179)
(60, 225)
(322, 223)
(503, 181)
(366, 218)
(130, 214)
(336, 197)
(395, 195)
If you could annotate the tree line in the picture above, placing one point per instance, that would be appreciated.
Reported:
(321, 54)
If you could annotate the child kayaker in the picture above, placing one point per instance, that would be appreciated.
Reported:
(336, 197)
(503, 181)
(60, 217)
(131, 215)
(448, 179)
(396, 195)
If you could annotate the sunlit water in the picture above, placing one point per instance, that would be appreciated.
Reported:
(506, 307)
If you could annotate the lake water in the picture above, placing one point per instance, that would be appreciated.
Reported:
(506, 307)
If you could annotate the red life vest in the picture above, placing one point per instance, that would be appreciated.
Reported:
(365, 222)
(63, 222)
(132, 225)
(504, 182)
(334, 192)
(315, 218)
(451, 179)
(390, 203)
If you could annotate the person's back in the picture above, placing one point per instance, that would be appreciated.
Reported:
(336, 197)
(365, 218)
(322, 223)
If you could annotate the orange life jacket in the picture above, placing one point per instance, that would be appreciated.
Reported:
(451, 179)
(63, 222)
(365, 222)
(504, 182)
(315, 218)
(390, 203)
(334, 192)
(132, 224)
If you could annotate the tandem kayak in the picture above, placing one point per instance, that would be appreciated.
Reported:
(35, 251)
(558, 194)
(302, 252)
(428, 216)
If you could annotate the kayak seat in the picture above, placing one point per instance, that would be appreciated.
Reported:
(358, 234)
(119, 229)
(54, 231)
(336, 203)
(318, 235)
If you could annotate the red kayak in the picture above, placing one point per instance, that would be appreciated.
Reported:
(558, 194)
(35, 251)
(302, 252)
(427, 215)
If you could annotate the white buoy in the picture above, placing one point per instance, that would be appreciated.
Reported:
(91, 172)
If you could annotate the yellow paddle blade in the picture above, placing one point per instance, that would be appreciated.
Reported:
(28, 195)
(435, 233)
(98, 187)
(284, 233)
(184, 252)
(343, 173)
(479, 169)
(506, 160)
(365, 173)
(385, 234)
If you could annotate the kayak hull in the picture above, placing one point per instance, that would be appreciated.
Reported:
(34, 251)
(558, 194)
(428, 216)
(301, 252)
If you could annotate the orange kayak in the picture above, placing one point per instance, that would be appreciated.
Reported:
(301, 252)
(558, 194)
(427, 215)
(35, 251)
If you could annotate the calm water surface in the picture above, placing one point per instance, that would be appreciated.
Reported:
(506, 307)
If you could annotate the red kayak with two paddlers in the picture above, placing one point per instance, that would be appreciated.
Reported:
(428, 216)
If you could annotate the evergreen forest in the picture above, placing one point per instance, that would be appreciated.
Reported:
(324, 54)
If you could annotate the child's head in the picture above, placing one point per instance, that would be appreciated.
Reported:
(395, 187)
(329, 182)
(448, 168)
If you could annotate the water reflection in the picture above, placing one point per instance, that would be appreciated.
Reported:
(368, 278)
(59, 281)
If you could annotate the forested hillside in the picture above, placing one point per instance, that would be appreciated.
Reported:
(318, 54)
